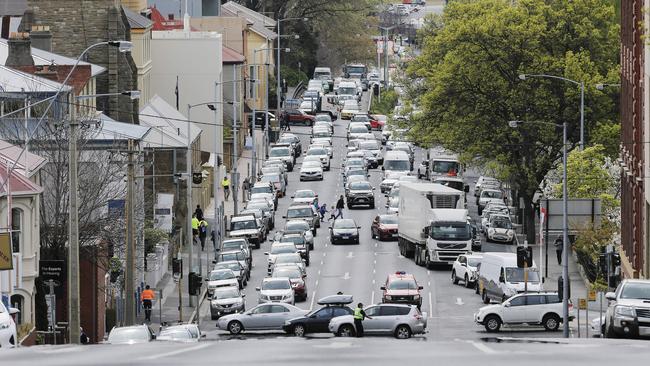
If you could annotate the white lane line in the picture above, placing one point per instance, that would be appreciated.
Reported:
(428, 272)
(174, 353)
(459, 301)
(428, 283)
(430, 305)
(321, 262)
(316, 283)
(313, 297)
(372, 298)
(373, 282)
(374, 270)
(375, 260)
(324, 254)
(350, 255)
(346, 276)
(483, 348)
(376, 245)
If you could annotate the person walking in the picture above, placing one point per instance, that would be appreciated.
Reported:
(203, 232)
(198, 212)
(359, 316)
(340, 205)
(245, 186)
(147, 296)
(225, 184)
(323, 211)
(195, 228)
(559, 247)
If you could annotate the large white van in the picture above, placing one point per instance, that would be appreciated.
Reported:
(500, 278)
(396, 164)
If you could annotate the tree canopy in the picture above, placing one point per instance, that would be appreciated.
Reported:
(471, 62)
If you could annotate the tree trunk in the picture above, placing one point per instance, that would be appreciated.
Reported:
(529, 218)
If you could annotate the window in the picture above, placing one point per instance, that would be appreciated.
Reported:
(16, 225)
(339, 312)
(388, 310)
(278, 309)
(264, 309)
(552, 299)
(324, 313)
(535, 300)
(373, 311)
(518, 301)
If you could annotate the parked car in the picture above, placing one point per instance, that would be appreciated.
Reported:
(221, 278)
(384, 227)
(400, 321)
(305, 212)
(306, 196)
(264, 190)
(297, 279)
(283, 153)
(277, 181)
(132, 334)
(276, 289)
(267, 207)
(628, 313)
(289, 138)
(247, 226)
(465, 268)
(278, 248)
(543, 308)
(261, 317)
(235, 255)
(8, 335)
(317, 321)
(344, 231)
(299, 240)
(322, 153)
(500, 229)
(226, 300)
(293, 226)
(236, 267)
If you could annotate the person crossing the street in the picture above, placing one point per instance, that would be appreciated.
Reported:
(225, 184)
(340, 205)
(147, 296)
(359, 316)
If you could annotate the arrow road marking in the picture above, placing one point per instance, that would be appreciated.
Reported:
(459, 301)
(346, 276)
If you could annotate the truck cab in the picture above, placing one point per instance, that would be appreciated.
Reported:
(448, 236)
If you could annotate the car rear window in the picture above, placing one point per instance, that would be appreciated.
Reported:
(552, 299)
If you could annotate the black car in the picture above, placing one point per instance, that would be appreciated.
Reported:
(344, 231)
(360, 193)
(317, 321)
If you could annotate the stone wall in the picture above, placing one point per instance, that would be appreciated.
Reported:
(77, 24)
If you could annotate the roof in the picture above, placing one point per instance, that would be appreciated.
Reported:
(28, 162)
(111, 129)
(136, 20)
(257, 24)
(19, 185)
(230, 56)
(161, 23)
(14, 81)
(13, 7)
(238, 9)
(168, 126)
(42, 57)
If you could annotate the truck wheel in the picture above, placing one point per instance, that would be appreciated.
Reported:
(427, 262)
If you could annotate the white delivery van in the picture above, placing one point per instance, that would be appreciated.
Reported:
(396, 164)
(500, 278)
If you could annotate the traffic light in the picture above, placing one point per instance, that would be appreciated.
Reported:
(194, 282)
(219, 160)
(177, 267)
(524, 254)
(197, 178)
(375, 89)
(616, 259)
(602, 263)
(560, 288)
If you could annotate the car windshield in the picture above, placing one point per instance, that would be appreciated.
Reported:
(322, 117)
(296, 239)
(321, 134)
(279, 151)
(347, 91)
(297, 225)
(270, 178)
(305, 194)
(232, 257)
(514, 274)
(491, 194)
(283, 249)
(300, 212)
(344, 224)
(358, 129)
(287, 272)
(368, 145)
(235, 266)
(402, 165)
(351, 106)
(390, 219)
(276, 285)
(403, 285)
(226, 293)
(311, 164)
(450, 231)
(261, 189)
(358, 186)
(633, 290)
(243, 225)
(445, 167)
(285, 140)
(221, 275)
(452, 184)
(394, 192)
(360, 118)
(356, 172)
(260, 205)
(473, 262)
(123, 335)
(500, 223)
(288, 258)
(317, 151)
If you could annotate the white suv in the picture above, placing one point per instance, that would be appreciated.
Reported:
(628, 314)
(544, 308)
(465, 269)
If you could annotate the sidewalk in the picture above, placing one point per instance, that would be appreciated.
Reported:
(169, 312)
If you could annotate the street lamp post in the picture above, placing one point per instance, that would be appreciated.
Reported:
(581, 84)
(279, 81)
(565, 224)
(386, 78)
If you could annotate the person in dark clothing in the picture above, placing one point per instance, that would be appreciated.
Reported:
(203, 232)
(198, 212)
(83, 337)
(245, 186)
(359, 316)
(559, 247)
(340, 205)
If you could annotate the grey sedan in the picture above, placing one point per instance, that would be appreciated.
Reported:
(262, 317)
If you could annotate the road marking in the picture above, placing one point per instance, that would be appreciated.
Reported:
(313, 297)
(316, 283)
(174, 353)
(459, 301)
(376, 244)
(374, 270)
(430, 305)
(324, 254)
(350, 255)
(428, 283)
(346, 276)
(372, 298)
(428, 272)
(373, 282)
(483, 348)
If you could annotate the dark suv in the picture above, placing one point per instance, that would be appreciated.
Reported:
(360, 193)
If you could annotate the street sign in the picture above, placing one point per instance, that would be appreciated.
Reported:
(582, 304)
(52, 270)
(6, 261)
(592, 295)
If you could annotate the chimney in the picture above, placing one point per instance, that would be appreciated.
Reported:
(41, 37)
(20, 50)
(171, 16)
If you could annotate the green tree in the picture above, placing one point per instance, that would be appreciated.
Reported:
(470, 65)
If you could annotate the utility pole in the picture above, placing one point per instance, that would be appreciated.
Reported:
(129, 273)
(235, 142)
(74, 323)
(254, 97)
(188, 196)
(266, 108)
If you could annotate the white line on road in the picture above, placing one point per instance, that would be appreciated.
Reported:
(316, 283)
(350, 255)
(346, 276)
(321, 263)
(428, 283)
(313, 297)
(459, 301)
(374, 270)
(372, 298)
(430, 305)
(376, 245)
(428, 273)
(324, 254)
(174, 353)
(483, 348)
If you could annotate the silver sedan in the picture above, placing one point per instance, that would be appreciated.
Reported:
(262, 317)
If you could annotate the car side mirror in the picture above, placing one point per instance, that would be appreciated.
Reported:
(382, 168)
(501, 279)
(284, 217)
(214, 262)
(610, 296)
(266, 253)
(243, 295)
(383, 288)
(463, 264)
(258, 289)
(291, 197)
(13, 311)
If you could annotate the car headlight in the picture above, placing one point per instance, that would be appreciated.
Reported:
(510, 234)
(490, 231)
(624, 310)
(388, 297)
(416, 297)
(5, 325)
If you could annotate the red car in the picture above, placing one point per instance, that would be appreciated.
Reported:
(384, 227)
(401, 288)
(298, 116)
(377, 121)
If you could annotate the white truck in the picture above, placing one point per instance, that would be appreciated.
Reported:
(440, 163)
(433, 226)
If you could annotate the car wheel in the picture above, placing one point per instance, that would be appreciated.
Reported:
(609, 332)
(403, 332)
(551, 322)
(313, 232)
(476, 288)
(311, 246)
(346, 330)
(372, 206)
(454, 278)
(492, 323)
(235, 327)
(427, 261)
(485, 298)
(213, 317)
(299, 330)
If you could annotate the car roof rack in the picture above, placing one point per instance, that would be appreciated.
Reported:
(336, 300)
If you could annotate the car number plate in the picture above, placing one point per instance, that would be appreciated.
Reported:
(345, 237)
(394, 235)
